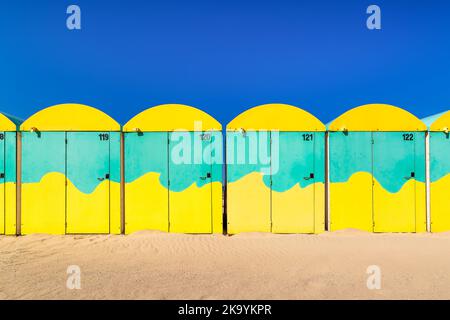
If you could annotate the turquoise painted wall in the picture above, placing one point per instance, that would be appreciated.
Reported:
(45, 152)
(439, 155)
(299, 154)
(388, 156)
(162, 152)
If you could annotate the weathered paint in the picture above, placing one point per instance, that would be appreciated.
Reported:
(275, 171)
(440, 173)
(165, 188)
(377, 176)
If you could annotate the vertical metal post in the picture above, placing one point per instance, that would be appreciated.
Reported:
(327, 183)
(18, 183)
(122, 183)
(427, 179)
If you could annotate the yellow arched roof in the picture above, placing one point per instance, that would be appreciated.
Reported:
(377, 117)
(281, 117)
(442, 123)
(70, 117)
(6, 124)
(171, 117)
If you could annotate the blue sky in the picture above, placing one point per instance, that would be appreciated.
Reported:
(224, 56)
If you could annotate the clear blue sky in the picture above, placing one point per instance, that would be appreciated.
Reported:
(224, 56)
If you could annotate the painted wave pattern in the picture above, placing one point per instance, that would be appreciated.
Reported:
(392, 172)
(292, 169)
(169, 163)
(439, 156)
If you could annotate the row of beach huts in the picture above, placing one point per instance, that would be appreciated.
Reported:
(72, 169)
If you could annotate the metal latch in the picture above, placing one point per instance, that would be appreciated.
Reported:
(208, 175)
(311, 176)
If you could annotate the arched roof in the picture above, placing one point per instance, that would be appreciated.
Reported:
(70, 117)
(439, 122)
(171, 117)
(377, 117)
(281, 117)
(8, 123)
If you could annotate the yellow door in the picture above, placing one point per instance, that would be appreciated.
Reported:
(43, 182)
(190, 177)
(350, 187)
(394, 189)
(293, 178)
(248, 182)
(87, 188)
(440, 181)
(2, 183)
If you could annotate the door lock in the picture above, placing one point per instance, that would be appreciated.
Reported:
(208, 175)
(311, 176)
(106, 177)
(2, 175)
(412, 175)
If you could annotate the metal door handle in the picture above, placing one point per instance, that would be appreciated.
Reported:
(106, 177)
(412, 175)
(208, 175)
(311, 176)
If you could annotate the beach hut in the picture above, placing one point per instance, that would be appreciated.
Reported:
(439, 160)
(275, 156)
(8, 147)
(377, 170)
(173, 171)
(70, 171)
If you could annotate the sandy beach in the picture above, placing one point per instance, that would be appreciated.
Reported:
(153, 265)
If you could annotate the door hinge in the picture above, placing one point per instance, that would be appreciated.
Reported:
(66, 141)
(168, 183)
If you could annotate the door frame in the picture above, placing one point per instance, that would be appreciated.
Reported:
(66, 180)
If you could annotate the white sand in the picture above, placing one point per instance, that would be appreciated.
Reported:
(153, 265)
